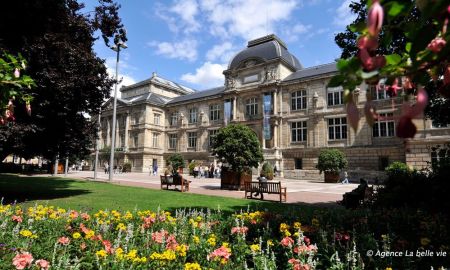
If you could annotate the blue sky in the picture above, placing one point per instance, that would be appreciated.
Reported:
(192, 41)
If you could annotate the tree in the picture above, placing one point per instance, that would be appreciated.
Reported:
(176, 161)
(410, 42)
(56, 38)
(239, 146)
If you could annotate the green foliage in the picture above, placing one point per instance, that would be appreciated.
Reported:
(192, 166)
(176, 161)
(239, 146)
(398, 169)
(126, 167)
(331, 160)
(267, 171)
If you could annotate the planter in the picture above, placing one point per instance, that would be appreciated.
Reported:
(233, 180)
(331, 177)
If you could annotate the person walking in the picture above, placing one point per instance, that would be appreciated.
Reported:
(155, 169)
(345, 181)
(106, 167)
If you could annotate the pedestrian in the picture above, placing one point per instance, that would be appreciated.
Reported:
(275, 170)
(211, 171)
(155, 169)
(150, 170)
(202, 171)
(106, 167)
(345, 181)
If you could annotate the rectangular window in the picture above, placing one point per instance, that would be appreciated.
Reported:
(156, 118)
(193, 115)
(383, 162)
(155, 140)
(136, 140)
(299, 131)
(337, 128)
(174, 119)
(122, 139)
(251, 107)
(211, 136)
(251, 78)
(298, 100)
(136, 118)
(192, 139)
(173, 139)
(298, 163)
(214, 112)
(335, 96)
(385, 126)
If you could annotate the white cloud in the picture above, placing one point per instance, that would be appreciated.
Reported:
(126, 79)
(187, 10)
(344, 15)
(206, 76)
(246, 18)
(222, 52)
(184, 50)
(293, 33)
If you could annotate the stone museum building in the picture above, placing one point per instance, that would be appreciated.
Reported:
(289, 107)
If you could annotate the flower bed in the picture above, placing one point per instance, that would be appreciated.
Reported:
(46, 237)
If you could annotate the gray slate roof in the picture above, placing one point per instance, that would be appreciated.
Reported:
(198, 94)
(161, 81)
(312, 72)
(148, 97)
(266, 48)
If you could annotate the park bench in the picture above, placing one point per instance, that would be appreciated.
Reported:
(360, 195)
(269, 187)
(169, 180)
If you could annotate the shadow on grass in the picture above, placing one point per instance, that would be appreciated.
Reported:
(14, 188)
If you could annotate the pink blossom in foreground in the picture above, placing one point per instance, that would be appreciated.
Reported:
(297, 265)
(22, 260)
(239, 230)
(43, 264)
(287, 242)
(367, 42)
(159, 237)
(375, 18)
(64, 240)
(406, 128)
(436, 45)
(223, 252)
(17, 219)
(16, 73)
(353, 115)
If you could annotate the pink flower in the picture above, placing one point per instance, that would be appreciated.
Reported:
(367, 42)
(73, 214)
(17, 219)
(159, 237)
(85, 216)
(16, 73)
(298, 265)
(64, 240)
(43, 264)
(406, 128)
(392, 90)
(375, 18)
(148, 221)
(353, 115)
(108, 246)
(436, 45)
(370, 63)
(22, 260)
(223, 252)
(171, 242)
(28, 108)
(287, 242)
(239, 230)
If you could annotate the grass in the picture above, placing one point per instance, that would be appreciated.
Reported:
(86, 195)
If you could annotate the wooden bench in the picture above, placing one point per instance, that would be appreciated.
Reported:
(169, 180)
(359, 196)
(268, 187)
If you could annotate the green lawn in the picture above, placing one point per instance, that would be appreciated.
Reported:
(86, 195)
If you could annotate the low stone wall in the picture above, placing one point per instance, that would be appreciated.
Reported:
(353, 175)
(303, 175)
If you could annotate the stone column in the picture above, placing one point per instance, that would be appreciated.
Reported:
(117, 133)
(274, 101)
(234, 109)
(127, 121)
(108, 132)
(275, 134)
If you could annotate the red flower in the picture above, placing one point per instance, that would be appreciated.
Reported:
(406, 128)
(436, 45)
(375, 18)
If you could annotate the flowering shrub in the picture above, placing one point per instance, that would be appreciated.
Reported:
(47, 237)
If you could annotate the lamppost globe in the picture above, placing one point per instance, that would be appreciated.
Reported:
(117, 47)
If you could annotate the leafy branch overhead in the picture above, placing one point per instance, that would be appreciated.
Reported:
(404, 43)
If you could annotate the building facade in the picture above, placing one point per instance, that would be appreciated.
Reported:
(289, 107)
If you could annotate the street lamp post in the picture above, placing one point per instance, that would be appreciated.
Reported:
(116, 48)
(96, 146)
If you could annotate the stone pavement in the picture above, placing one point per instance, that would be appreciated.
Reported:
(298, 191)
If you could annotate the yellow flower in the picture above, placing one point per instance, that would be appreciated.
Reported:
(181, 249)
(269, 242)
(101, 253)
(128, 215)
(76, 235)
(53, 216)
(284, 227)
(121, 227)
(198, 218)
(168, 255)
(255, 248)
(26, 233)
(131, 255)
(89, 234)
(388, 268)
(297, 225)
(196, 239)
(425, 241)
(119, 253)
(192, 266)
(315, 222)
(211, 240)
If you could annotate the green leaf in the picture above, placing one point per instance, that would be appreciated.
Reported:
(394, 8)
(408, 47)
(393, 59)
(342, 64)
(357, 27)
(367, 75)
(336, 81)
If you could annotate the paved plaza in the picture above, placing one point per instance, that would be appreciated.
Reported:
(298, 191)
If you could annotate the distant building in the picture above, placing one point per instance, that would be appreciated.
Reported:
(289, 108)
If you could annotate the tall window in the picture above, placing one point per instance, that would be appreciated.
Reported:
(192, 139)
(251, 107)
(136, 118)
(335, 96)
(173, 139)
(212, 133)
(193, 115)
(155, 139)
(174, 119)
(136, 140)
(156, 118)
(384, 127)
(337, 128)
(299, 131)
(298, 100)
(214, 112)
(122, 139)
(298, 163)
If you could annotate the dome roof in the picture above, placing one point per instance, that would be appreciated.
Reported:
(264, 49)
